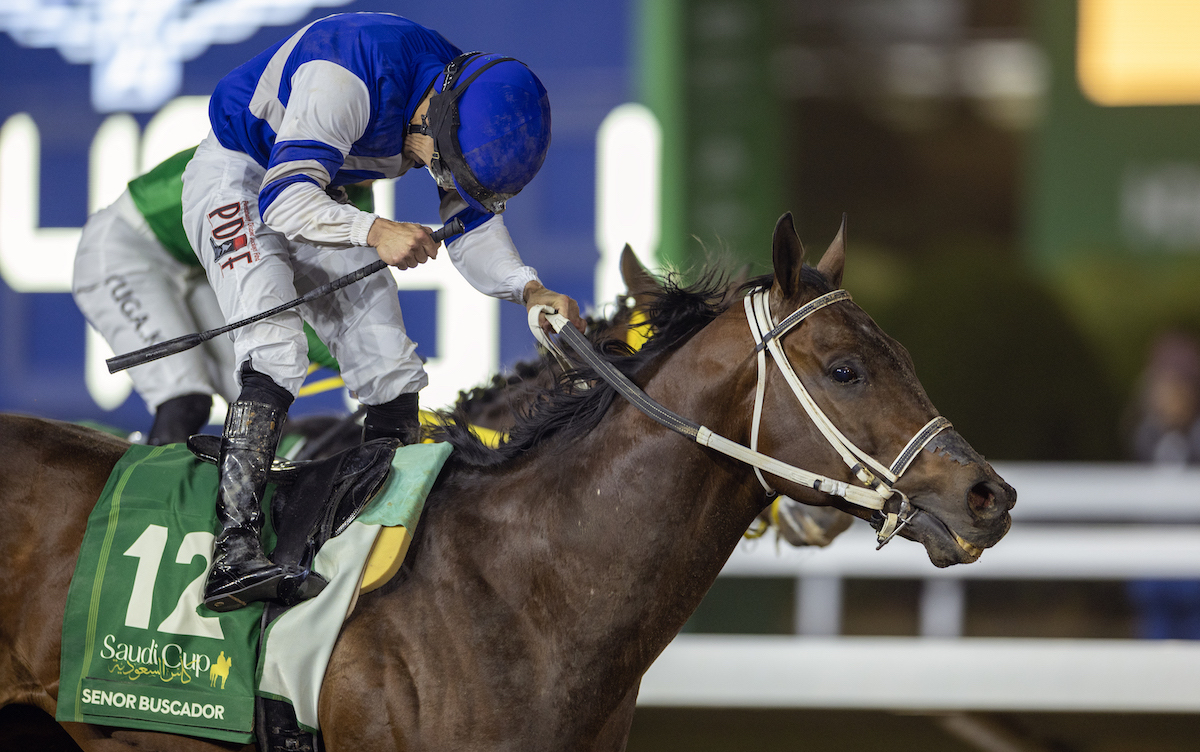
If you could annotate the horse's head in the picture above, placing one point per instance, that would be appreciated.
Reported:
(864, 384)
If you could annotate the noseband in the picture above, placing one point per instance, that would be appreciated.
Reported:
(892, 507)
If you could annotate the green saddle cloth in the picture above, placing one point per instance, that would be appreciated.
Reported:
(139, 648)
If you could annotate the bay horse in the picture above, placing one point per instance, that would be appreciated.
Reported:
(547, 574)
(495, 405)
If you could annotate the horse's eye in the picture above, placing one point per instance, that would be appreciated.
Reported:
(844, 375)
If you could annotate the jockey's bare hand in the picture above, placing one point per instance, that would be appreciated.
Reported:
(403, 245)
(536, 294)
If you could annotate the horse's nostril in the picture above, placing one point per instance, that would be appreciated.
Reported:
(982, 500)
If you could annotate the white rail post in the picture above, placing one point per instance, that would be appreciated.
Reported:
(818, 606)
(943, 606)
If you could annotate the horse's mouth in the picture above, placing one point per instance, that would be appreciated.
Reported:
(945, 546)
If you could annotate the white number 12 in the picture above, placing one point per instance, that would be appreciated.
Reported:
(148, 550)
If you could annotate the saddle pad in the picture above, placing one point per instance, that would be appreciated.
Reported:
(139, 648)
(391, 545)
(292, 665)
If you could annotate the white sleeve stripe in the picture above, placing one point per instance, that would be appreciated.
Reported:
(328, 104)
(305, 213)
(265, 104)
(309, 167)
(488, 260)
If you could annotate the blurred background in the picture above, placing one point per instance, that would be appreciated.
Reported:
(1022, 185)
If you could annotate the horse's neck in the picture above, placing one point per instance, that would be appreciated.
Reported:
(609, 544)
(553, 581)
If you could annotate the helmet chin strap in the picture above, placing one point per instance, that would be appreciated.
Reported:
(443, 127)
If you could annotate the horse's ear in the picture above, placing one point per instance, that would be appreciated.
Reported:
(787, 255)
(639, 282)
(834, 261)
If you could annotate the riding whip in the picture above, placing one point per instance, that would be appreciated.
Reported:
(188, 341)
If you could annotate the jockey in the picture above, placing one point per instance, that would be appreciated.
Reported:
(138, 282)
(347, 98)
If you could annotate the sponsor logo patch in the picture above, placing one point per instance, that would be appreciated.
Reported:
(231, 232)
(167, 664)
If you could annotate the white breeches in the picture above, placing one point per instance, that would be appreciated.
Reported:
(136, 294)
(253, 268)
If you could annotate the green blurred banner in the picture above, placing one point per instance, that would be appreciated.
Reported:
(707, 75)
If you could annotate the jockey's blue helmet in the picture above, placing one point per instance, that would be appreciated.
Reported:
(490, 121)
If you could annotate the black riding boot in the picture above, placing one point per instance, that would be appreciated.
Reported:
(178, 418)
(241, 572)
(398, 419)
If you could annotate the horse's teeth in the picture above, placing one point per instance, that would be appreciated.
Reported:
(971, 550)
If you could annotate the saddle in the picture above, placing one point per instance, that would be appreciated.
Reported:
(314, 501)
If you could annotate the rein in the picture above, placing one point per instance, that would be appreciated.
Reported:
(892, 507)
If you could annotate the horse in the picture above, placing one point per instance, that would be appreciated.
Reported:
(494, 406)
(547, 574)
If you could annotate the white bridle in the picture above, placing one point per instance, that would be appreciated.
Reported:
(879, 481)
(879, 493)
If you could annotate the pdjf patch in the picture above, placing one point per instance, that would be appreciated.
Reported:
(231, 231)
